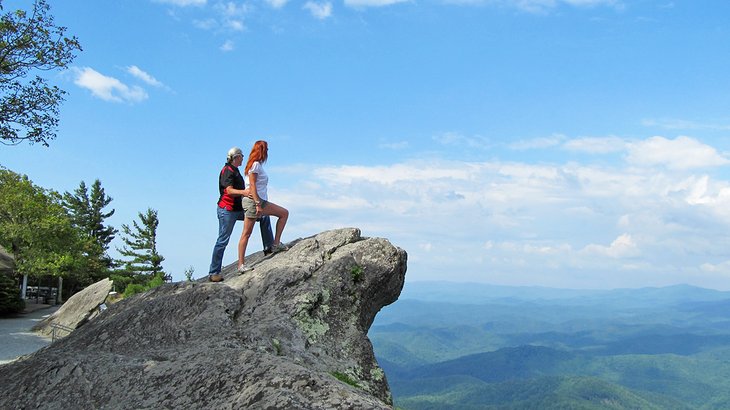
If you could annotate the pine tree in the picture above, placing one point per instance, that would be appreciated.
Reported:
(88, 216)
(141, 246)
(99, 200)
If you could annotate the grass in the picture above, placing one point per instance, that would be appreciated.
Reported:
(345, 379)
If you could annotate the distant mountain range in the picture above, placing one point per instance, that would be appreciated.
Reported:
(453, 345)
(477, 293)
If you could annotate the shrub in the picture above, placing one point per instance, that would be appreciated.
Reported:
(356, 272)
(120, 282)
(10, 301)
(134, 288)
(345, 379)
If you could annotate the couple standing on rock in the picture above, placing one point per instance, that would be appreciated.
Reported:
(238, 203)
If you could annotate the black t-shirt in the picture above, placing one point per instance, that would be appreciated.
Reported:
(230, 176)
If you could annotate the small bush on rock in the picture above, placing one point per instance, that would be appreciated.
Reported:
(345, 379)
(134, 288)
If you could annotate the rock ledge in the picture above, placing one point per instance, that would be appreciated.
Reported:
(290, 334)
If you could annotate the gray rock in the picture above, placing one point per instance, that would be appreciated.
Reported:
(292, 334)
(77, 310)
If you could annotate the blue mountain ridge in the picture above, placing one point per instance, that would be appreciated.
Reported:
(457, 345)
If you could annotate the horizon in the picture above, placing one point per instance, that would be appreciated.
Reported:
(677, 285)
(560, 144)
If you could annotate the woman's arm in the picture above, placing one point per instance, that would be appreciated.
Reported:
(253, 193)
(230, 190)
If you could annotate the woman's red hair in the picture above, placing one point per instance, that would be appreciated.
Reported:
(259, 152)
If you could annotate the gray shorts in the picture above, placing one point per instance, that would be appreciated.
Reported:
(249, 207)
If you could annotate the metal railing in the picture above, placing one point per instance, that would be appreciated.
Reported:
(55, 327)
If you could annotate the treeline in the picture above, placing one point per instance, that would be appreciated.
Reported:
(54, 235)
(49, 234)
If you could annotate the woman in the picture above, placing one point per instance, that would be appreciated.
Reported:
(231, 188)
(256, 204)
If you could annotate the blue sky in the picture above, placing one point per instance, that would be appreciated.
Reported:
(562, 143)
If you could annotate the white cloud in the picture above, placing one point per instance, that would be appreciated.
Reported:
(551, 224)
(232, 15)
(542, 6)
(596, 145)
(679, 153)
(543, 249)
(396, 145)
(348, 174)
(228, 45)
(277, 4)
(592, 3)
(372, 3)
(235, 25)
(722, 268)
(183, 3)
(227, 16)
(679, 124)
(319, 10)
(537, 143)
(622, 247)
(231, 9)
(702, 191)
(107, 88)
(147, 78)
(538, 6)
(206, 24)
(454, 138)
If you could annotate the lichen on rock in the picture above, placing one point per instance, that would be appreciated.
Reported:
(310, 314)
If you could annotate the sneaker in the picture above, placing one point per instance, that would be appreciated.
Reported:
(279, 247)
(244, 269)
(268, 251)
(216, 278)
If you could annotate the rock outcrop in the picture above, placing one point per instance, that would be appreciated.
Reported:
(291, 334)
(79, 309)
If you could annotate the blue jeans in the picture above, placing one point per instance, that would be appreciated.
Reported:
(267, 237)
(226, 220)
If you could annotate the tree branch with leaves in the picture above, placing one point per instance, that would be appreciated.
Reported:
(30, 41)
(35, 228)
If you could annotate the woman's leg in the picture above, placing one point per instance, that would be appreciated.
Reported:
(248, 224)
(282, 214)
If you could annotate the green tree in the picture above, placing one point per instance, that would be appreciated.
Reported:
(88, 216)
(140, 246)
(35, 228)
(10, 301)
(31, 42)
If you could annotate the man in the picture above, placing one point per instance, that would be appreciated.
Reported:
(231, 188)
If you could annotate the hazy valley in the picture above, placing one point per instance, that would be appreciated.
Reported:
(448, 345)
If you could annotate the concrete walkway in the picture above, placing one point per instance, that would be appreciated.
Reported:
(16, 339)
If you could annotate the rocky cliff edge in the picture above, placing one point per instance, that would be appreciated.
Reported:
(291, 334)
